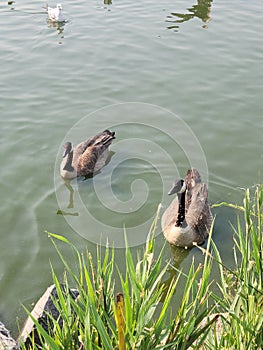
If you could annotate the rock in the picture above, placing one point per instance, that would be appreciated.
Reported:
(43, 308)
(6, 341)
(216, 330)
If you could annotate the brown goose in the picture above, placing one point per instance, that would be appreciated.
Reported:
(87, 157)
(188, 219)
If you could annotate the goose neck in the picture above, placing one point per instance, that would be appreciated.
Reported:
(68, 166)
(181, 209)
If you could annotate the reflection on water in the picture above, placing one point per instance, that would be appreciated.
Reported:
(71, 190)
(65, 213)
(201, 10)
(179, 254)
(59, 26)
(11, 3)
(71, 193)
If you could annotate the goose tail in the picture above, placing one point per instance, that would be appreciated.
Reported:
(107, 140)
(110, 133)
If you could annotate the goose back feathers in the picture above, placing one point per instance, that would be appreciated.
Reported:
(188, 219)
(87, 157)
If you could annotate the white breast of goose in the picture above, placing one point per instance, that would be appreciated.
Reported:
(180, 236)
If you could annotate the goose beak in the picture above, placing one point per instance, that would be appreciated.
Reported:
(178, 187)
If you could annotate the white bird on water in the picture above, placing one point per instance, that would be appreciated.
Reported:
(55, 14)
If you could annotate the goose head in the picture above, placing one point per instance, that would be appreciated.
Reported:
(68, 149)
(178, 187)
(59, 6)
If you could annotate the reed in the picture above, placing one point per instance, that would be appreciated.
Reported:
(141, 315)
(241, 289)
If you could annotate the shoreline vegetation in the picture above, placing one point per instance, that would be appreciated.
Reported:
(141, 314)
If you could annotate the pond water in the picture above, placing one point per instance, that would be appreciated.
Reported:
(180, 83)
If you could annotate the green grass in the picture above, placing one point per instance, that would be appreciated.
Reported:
(144, 316)
(241, 296)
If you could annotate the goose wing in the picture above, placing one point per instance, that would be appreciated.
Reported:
(91, 154)
(87, 161)
(198, 213)
(192, 178)
(101, 138)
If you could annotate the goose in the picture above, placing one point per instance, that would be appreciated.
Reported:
(55, 14)
(188, 219)
(87, 157)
